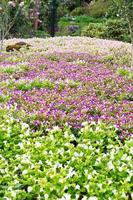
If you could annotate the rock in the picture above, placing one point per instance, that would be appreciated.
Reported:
(73, 28)
(17, 46)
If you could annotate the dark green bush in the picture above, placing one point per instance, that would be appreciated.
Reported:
(41, 34)
(82, 21)
(78, 11)
(117, 29)
(94, 30)
(111, 29)
(99, 8)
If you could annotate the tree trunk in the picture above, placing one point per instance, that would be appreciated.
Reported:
(1, 40)
(53, 18)
(131, 32)
(36, 11)
(132, 53)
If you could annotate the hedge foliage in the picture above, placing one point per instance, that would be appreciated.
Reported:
(91, 163)
(111, 29)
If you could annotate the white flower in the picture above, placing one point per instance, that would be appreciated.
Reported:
(77, 187)
(29, 189)
(93, 198)
(25, 172)
(16, 181)
(124, 157)
(129, 158)
(51, 137)
(13, 193)
(46, 196)
(109, 181)
(77, 196)
(131, 150)
(55, 129)
(90, 148)
(100, 185)
(84, 123)
(66, 197)
(98, 161)
(110, 165)
(114, 191)
(37, 144)
(21, 145)
(12, 4)
(120, 169)
(89, 176)
(25, 159)
(71, 173)
(21, 4)
(128, 179)
(66, 134)
(94, 172)
(84, 198)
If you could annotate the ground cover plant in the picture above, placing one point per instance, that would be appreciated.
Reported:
(46, 95)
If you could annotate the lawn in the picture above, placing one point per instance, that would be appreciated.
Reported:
(66, 120)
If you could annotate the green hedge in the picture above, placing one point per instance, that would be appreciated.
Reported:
(60, 164)
(82, 21)
(111, 29)
(94, 30)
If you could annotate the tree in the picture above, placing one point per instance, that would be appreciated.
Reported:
(6, 23)
(126, 10)
(34, 14)
(53, 19)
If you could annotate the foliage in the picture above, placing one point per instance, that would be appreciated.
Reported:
(54, 88)
(111, 29)
(118, 29)
(99, 8)
(82, 21)
(79, 11)
(94, 30)
(60, 164)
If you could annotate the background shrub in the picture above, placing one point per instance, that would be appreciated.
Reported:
(110, 29)
(78, 11)
(94, 30)
(61, 164)
(117, 29)
(99, 8)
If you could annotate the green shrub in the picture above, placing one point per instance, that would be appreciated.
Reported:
(110, 29)
(59, 164)
(94, 30)
(125, 72)
(62, 10)
(82, 21)
(117, 29)
(78, 11)
(99, 8)
(41, 34)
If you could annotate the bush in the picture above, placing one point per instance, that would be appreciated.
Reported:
(110, 29)
(81, 19)
(41, 34)
(117, 29)
(78, 11)
(94, 30)
(99, 8)
(61, 164)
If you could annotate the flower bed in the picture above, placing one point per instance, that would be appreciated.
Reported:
(68, 87)
(91, 164)
(47, 150)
